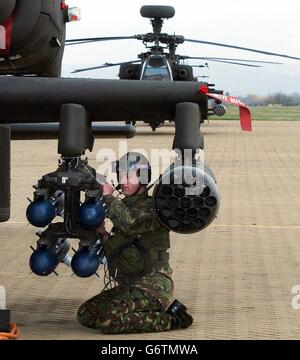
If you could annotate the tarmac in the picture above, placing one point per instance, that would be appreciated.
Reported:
(236, 276)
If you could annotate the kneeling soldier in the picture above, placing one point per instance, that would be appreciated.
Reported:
(137, 259)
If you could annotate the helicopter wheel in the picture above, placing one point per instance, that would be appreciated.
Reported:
(130, 123)
(156, 124)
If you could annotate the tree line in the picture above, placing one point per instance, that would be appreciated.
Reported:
(275, 99)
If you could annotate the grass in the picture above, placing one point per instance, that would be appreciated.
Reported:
(259, 113)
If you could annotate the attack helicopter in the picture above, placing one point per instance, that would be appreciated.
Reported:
(161, 62)
(39, 102)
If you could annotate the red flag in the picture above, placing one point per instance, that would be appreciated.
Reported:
(245, 114)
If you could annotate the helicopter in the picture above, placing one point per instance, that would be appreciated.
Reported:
(33, 94)
(37, 103)
(161, 62)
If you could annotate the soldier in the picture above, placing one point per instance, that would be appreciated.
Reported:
(137, 259)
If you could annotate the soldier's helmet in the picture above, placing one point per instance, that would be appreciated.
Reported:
(134, 161)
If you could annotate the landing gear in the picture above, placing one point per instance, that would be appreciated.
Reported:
(130, 123)
(156, 124)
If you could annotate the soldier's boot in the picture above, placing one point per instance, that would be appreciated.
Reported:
(179, 316)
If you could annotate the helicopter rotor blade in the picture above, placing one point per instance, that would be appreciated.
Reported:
(104, 66)
(232, 59)
(236, 63)
(95, 39)
(242, 48)
(220, 61)
(199, 66)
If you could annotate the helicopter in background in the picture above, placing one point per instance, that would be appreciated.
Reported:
(162, 63)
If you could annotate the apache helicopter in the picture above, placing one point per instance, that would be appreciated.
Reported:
(37, 103)
(161, 62)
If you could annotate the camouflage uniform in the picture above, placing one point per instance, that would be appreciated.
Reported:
(138, 260)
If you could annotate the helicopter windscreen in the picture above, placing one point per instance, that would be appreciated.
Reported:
(156, 68)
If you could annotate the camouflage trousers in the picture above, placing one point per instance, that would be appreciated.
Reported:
(117, 311)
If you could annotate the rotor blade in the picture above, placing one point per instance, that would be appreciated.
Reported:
(235, 63)
(242, 48)
(200, 66)
(89, 40)
(104, 66)
(232, 59)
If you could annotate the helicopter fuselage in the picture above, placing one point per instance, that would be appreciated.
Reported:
(32, 36)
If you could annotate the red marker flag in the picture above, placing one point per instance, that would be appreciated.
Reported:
(245, 114)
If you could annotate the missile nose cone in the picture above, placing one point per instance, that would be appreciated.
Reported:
(42, 262)
(40, 213)
(91, 214)
(85, 263)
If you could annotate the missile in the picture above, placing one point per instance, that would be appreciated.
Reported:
(91, 214)
(44, 260)
(42, 211)
(87, 260)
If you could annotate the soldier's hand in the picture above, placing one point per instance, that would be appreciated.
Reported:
(102, 232)
(107, 189)
(101, 179)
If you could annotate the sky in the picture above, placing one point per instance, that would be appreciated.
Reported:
(260, 24)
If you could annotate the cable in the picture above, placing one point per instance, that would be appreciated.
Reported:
(12, 335)
(109, 281)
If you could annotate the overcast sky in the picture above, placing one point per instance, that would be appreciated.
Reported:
(261, 24)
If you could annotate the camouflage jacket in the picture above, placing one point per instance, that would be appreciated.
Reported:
(137, 252)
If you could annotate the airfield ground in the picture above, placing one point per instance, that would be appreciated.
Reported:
(236, 277)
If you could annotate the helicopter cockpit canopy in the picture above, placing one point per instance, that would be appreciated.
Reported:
(156, 67)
